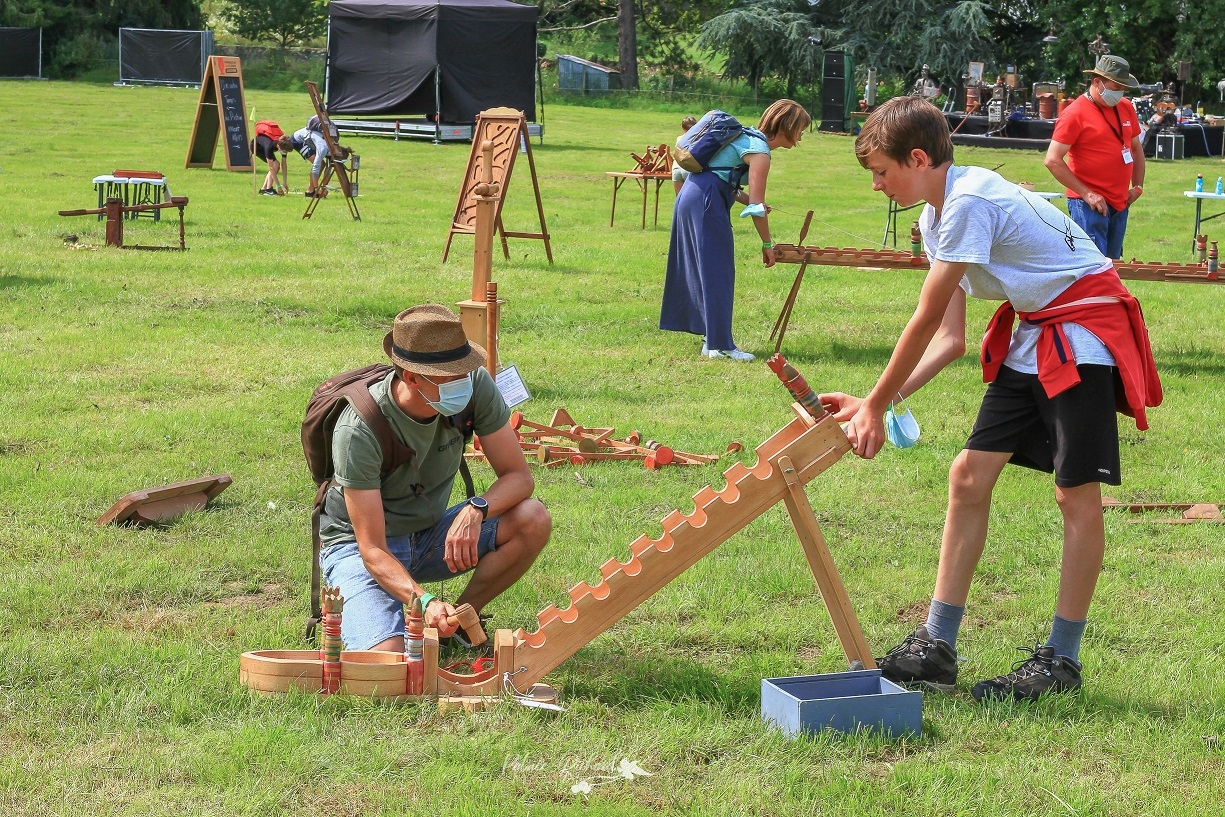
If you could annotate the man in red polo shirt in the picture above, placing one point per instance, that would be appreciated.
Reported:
(1096, 154)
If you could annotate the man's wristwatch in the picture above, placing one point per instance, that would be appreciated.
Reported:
(481, 504)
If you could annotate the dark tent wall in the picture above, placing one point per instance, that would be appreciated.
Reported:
(383, 55)
(20, 52)
(163, 55)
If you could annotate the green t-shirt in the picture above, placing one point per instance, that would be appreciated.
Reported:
(440, 449)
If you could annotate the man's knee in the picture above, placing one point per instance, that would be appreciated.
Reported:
(529, 522)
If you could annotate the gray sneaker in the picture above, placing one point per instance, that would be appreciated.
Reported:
(921, 660)
(1032, 677)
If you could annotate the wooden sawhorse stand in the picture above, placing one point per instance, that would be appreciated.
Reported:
(114, 211)
(335, 163)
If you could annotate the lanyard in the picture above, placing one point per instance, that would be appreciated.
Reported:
(1118, 117)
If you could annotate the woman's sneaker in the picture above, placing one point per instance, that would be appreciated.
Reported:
(729, 354)
(921, 660)
(1032, 677)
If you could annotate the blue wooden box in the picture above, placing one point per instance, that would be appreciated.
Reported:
(843, 701)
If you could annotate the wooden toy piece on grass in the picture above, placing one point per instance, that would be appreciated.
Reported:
(164, 504)
(1191, 512)
(114, 211)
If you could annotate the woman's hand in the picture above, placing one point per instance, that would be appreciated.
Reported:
(767, 256)
(843, 406)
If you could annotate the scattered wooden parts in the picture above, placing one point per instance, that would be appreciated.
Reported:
(164, 504)
(1191, 512)
(563, 441)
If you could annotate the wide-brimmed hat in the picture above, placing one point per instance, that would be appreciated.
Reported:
(429, 340)
(1114, 68)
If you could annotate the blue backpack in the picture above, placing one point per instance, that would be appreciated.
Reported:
(709, 135)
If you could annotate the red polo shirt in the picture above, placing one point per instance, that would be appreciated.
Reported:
(1098, 135)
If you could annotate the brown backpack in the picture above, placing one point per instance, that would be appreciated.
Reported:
(322, 411)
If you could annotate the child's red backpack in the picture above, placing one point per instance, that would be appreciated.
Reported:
(270, 129)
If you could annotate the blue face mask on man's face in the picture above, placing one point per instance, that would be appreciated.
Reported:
(452, 396)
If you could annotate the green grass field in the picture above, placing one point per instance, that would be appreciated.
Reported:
(121, 370)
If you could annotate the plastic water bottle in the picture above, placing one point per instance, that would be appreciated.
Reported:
(1220, 186)
(1199, 182)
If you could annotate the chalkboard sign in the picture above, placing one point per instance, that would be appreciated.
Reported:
(221, 112)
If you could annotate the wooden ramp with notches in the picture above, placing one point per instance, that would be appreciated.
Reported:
(789, 459)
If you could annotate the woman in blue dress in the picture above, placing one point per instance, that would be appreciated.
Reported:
(700, 285)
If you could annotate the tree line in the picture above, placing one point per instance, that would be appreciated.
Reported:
(757, 41)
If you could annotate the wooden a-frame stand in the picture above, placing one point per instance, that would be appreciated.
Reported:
(221, 111)
(336, 161)
(506, 130)
(797, 453)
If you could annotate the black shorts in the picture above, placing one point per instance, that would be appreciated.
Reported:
(265, 148)
(1074, 435)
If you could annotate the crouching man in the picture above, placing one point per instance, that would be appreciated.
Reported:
(382, 540)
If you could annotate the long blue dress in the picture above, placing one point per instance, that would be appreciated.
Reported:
(701, 280)
(700, 284)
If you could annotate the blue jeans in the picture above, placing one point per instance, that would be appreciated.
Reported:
(371, 614)
(1105, 230)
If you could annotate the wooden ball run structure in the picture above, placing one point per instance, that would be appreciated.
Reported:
(1206, 272)
(786, 462)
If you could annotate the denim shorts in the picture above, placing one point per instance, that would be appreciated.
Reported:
(371, 614)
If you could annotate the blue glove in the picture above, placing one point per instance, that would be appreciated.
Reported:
(753, 210)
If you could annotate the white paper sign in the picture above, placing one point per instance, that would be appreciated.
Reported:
(510, 384)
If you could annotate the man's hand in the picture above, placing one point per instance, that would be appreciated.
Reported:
(767, 256)
(1134, 194)
(866, 431)
(1097, 202)
(842, 406)
(435, 616)
(462, 539)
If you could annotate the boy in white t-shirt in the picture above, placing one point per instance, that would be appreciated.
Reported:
(1081, 352)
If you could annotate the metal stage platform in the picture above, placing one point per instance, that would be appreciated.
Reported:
(417, 129)
(1035, 134)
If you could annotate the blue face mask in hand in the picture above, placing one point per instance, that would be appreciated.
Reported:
(452, 396)
(901, 428)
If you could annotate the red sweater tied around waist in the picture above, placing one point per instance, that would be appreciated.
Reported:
(1101, 304)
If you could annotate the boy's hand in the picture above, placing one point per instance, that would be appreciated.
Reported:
(866, 431)
(842, 406)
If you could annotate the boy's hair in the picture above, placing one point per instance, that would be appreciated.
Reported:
(785, 116)
(899, 126)
(687, 123)
(285, 144)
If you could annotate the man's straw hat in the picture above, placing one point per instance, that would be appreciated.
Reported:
(1114, 68)
(429, 340)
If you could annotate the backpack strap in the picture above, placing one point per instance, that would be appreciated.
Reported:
(395, 454)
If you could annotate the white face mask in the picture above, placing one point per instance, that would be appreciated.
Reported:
(1110, 97)
(452, 396)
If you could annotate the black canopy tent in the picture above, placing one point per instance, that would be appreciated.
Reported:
(453, 58)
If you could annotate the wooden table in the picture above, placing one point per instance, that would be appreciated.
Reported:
(643, 180)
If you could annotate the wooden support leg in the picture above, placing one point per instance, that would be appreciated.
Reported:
(784, 316)
(824, 570)
(114, 223)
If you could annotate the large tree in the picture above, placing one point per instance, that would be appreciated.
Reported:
(764, 38)
(284, 22)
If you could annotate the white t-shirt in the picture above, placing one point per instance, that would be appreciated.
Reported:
(1019, 248)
